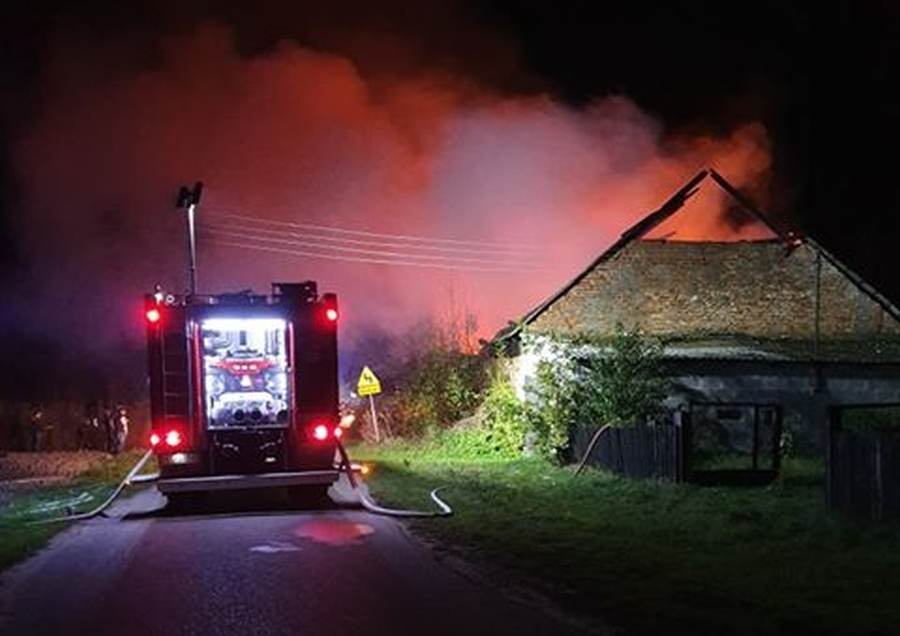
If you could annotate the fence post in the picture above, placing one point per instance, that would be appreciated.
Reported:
(687, 445)
(832, 430)
(878, 512)
(779, 431)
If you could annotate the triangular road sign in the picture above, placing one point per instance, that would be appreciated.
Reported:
(368, 383)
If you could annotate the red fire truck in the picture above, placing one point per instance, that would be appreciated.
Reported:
(244, 389)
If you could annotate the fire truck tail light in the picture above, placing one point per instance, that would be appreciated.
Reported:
(329, 302)
(173, 439)
(337, 432)
(155, 440)
(153, 315)
(320, 432)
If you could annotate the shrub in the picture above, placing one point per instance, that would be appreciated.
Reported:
(504, 421)
(622, 384)
(436, 389)
(551, 404)
(586, 381)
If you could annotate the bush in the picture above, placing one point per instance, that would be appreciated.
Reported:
(504, 420)
(436, 389)
(551, 404)
(582, 381)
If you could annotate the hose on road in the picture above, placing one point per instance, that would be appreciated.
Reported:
(369, 504)
(131, 478)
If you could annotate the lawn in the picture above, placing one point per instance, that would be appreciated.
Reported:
(654, 557)
(20, 538)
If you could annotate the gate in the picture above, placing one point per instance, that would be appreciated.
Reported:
(863, 460)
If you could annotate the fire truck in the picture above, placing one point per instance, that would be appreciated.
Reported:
(244, 390)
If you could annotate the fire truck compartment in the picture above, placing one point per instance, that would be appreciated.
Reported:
(240, 482)
(245, 372)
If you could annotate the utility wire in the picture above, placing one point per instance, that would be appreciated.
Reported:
(369, 252)
(341, 230)
(244, 227)
(375, 261)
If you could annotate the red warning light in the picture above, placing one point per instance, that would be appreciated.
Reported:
(332, 314)
(155, 439)
(153, 315)
(338, 432)
(173, 439)
(320, 432)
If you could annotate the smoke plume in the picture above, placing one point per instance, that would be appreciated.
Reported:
(455, 198)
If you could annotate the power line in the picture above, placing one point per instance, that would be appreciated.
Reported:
(303, 253)
(370, 252)
(401, 237)
(243, 227)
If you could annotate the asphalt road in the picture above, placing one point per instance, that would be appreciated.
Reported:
(233, 569)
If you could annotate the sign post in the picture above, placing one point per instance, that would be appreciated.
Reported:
(369, 386)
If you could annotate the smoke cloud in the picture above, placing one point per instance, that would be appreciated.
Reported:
(520, 191)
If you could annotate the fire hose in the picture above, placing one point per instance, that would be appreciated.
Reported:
(367, 502)
(131, 478)
(371, 506)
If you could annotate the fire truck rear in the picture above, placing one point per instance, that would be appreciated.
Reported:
(244, 389)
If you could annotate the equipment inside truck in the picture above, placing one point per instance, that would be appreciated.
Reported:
(245, 368)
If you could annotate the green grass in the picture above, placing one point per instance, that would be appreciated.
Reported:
(654, 557)
(19, 537)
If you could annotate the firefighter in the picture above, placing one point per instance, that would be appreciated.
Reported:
(120, 429)
(36, 428)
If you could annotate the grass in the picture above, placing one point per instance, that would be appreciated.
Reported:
(20, 538)
(653, 556)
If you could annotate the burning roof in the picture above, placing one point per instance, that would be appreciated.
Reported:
(766, 284)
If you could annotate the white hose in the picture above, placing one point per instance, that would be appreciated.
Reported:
(369, 504)
(130, 478)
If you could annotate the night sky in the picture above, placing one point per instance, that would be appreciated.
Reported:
(819, 80)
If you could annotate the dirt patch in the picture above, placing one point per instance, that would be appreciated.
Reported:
(64, 464)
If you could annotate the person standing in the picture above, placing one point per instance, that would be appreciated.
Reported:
(120, 429)
(36, 428)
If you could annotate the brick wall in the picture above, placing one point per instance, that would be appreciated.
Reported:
(757, 289)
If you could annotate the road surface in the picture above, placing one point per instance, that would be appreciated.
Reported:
(329, 571)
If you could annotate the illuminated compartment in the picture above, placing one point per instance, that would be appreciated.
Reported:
(245, 372)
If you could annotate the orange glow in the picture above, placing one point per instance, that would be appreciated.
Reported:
(429, 155)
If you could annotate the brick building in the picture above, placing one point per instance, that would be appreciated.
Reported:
(776, 322)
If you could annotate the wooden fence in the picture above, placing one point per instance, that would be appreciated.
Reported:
(643, 451)
(863, 471)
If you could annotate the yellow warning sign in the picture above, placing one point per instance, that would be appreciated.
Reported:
(368, 383)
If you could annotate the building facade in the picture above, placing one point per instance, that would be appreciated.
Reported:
(776, 322)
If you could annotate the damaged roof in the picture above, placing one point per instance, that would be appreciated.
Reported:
(789, 239)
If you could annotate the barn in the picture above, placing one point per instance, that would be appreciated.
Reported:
(762, 334)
